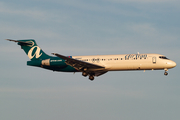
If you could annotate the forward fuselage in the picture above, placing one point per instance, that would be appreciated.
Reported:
(129, 61)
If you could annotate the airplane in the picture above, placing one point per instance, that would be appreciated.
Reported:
(94, 65)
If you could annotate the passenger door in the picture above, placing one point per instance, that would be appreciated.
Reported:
(154, 60)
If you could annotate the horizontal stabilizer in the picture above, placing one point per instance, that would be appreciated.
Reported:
(23, 43)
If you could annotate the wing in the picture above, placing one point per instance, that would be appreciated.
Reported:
(79, 65)
(83, 66)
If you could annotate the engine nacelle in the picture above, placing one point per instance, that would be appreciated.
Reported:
(48, 62)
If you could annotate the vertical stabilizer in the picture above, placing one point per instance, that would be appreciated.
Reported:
(33, 51)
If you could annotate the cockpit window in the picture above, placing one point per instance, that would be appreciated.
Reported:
(163, 57)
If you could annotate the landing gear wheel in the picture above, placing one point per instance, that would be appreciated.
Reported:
(166, 73)
(91, 77)
(84, 74)
(85, 69)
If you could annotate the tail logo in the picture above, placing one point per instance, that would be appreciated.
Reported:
(37, 53)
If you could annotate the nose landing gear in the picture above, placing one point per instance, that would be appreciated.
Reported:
(166, 73)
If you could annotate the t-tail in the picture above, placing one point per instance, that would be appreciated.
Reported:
(30, 47)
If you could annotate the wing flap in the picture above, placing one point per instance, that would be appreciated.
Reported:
(98, 73)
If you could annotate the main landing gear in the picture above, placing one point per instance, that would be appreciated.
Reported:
(84, 74)
(91, 75)
(166, 73)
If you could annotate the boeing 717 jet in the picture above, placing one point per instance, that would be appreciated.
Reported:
(94, 65)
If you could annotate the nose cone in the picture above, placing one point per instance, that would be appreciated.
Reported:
(171, 64)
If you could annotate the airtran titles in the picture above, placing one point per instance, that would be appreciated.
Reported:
(136, 56)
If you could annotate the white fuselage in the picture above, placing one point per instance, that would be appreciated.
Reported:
(129, 61)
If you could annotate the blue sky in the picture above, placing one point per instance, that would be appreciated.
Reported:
(78, 27)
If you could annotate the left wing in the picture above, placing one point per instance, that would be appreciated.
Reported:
(81, 65)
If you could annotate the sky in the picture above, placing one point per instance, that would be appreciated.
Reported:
(95, 27)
